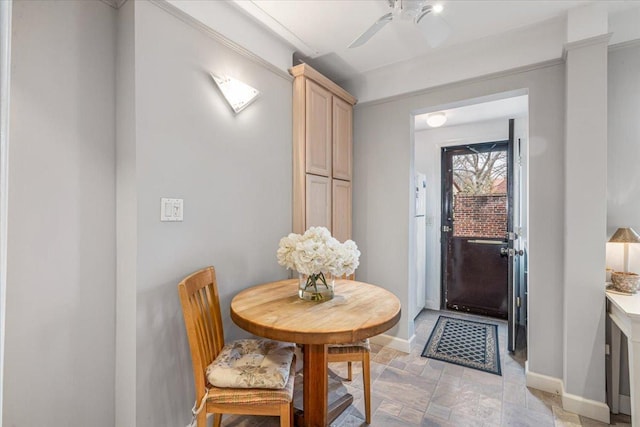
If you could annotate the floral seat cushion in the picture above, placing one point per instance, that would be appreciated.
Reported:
(252, 363)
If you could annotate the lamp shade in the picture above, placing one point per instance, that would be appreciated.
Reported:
(625, 235)
(238, 94)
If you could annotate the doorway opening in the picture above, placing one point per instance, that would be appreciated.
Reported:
(482, 124)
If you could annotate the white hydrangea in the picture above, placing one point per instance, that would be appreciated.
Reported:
(316, 251)
(286, 249)
(347, 259)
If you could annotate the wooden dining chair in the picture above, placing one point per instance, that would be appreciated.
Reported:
(355, 352)
(203, 321)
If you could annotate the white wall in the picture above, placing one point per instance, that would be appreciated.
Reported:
(234, 174)
(60, 333)
(383, 153)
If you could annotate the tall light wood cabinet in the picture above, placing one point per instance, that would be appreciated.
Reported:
(342, 139)
(341, 209)
(322, 153)
(318, 132)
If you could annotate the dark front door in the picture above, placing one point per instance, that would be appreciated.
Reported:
(475, 221)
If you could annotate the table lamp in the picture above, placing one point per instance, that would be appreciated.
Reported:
(625, 281)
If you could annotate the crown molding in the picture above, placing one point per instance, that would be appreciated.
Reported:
(624, 45)
(193, 22)
(116, 4)
(591, 41)
(253, 9)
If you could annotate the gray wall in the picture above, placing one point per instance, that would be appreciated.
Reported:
(234, 174)
(383, 142)
(623, 174)
(126, 224)
(60, 332)
(623, 152)
(585, 221)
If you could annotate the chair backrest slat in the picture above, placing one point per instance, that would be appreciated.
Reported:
(213, 298)
(203, 325)
(203, 321)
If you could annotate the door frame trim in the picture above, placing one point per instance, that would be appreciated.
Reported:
(5, 84)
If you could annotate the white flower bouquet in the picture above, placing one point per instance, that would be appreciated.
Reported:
(315, 254)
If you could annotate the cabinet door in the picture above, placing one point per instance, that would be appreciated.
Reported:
(318, 209)
(342, 138)
(341, 210)
(318, 130)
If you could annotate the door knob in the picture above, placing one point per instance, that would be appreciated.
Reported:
(511, 252)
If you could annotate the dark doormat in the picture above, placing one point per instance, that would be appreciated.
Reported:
(465, 343)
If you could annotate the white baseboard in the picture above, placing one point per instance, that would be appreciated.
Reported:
(570, 402)
(393, 342)
(432, 305)
(624, 404)
(586, 407)
(543, 382)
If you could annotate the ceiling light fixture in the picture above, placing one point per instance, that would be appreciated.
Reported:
(434, 29)
(436, 119)
(239, 95)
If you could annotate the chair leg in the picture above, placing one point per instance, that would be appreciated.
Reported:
(366, 374)
(201, 418)
(217, 420)
(285, 414)
(349, 372)
(291, 412)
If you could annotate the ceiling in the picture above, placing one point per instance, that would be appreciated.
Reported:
(506, 108)
(321, 30)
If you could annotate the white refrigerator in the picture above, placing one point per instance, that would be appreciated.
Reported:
(421, 242)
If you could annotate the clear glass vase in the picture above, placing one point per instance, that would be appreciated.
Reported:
(315, 287)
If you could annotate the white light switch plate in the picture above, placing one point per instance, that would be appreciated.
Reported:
(171, 209)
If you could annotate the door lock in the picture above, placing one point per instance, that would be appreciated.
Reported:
(511, 252)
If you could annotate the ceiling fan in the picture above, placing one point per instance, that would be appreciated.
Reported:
(436, 30)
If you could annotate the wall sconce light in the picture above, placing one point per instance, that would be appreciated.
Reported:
(239, 95)
(436, 119)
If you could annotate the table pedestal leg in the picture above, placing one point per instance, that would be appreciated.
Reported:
(316, 411)
(316, 383)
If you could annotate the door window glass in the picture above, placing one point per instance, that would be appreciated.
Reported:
(480, 194)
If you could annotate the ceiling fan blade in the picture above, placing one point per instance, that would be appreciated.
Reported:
(364, 37)
(434, 28)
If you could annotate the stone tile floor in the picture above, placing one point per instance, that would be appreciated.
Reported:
(410, 390)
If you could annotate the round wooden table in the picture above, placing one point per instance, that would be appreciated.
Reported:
(357, 311)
